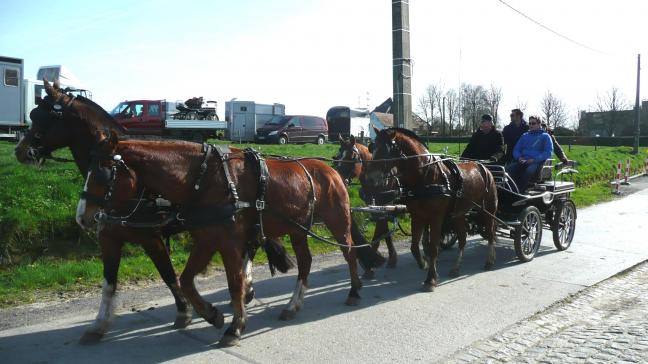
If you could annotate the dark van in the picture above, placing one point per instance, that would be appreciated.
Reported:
(284, 129)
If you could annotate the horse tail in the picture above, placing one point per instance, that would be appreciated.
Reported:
(277, 256)
(367, 257)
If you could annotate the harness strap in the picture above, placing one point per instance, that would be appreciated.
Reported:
(312, 194)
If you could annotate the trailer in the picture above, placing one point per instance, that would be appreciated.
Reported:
(345, 121)
(245, 117)
(18, 95)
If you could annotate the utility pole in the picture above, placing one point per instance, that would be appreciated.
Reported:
(401, 65)
(635, 150)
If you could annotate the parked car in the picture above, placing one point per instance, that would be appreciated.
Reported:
(284, 129)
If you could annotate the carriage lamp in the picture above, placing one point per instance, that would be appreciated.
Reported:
(117, 157)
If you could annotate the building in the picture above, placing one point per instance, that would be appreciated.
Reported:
(612, 123)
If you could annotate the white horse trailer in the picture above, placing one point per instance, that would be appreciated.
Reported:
(245, 117)
(19, 96)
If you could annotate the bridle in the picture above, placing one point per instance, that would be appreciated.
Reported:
(107, 176)
(54, 110)
(345, 167)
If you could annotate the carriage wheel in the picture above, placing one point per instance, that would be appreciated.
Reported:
(448, 240)
(528, 234)
(564, 224)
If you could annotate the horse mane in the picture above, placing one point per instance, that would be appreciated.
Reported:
(410, 134)
(105, 120)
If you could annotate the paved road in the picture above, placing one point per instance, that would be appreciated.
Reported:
(394, 322)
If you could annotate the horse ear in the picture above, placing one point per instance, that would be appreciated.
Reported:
(48, 87)
(352, 139)
(340, 139)
(113, 138)
(376, 130)
(57, 85)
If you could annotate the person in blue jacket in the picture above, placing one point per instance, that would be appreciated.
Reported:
(530, 152)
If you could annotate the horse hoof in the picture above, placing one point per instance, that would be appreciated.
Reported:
(182, 321)
(454, 273)
(427, 287)
(287, 315)
(90, 337)
(229, 340)
(218, 320)
(249, 296)
(391, 263)
(369, 274)
(352, 301)
(489, 266)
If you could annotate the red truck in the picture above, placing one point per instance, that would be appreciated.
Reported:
(163, 118)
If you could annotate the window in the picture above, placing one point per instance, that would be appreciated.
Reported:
(153, 110)
(310, 123)
(11, 77)
(295, 121)
(139, 109)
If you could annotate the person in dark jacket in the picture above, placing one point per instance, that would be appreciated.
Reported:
(486, 143)
(530, 152)
(560, 153)
(512, 132)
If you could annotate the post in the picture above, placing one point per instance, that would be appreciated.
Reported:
(443, 128)
(617, 180)
(646, 166)
(626, 174)
(635, 149)
(401, 65)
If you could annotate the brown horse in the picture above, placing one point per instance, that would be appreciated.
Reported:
(435, 190)
(63, 121)
(295, 193)
(350, 156)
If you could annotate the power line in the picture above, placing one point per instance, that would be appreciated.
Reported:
(551, 30)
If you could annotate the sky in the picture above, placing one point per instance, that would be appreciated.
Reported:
(312, 55)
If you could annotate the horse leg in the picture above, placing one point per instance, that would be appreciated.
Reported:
(433, 242)
(459, 226)
(111, 256)
(236, 281)
(342, 234)
(490, 226)
(417, 231)
(304, 259)
(201, 253)
(247, 268)
(383, 227)
(156, 249)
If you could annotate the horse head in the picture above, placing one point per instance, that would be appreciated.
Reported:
(396, 152)
(110, 185)
(350, 156)
(61, 120)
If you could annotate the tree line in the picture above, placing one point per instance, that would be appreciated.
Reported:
(452, 112)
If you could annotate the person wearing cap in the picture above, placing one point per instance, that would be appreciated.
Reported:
(512, 133)
(560, 153)
(486, 143)
(530, 152)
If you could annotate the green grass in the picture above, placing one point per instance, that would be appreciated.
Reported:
(51, 256)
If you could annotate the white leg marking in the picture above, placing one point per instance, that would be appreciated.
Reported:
(81, 206)
(297, 300)
(247, 267)
(105, 314)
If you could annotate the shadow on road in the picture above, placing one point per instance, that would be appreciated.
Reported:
(148, 336)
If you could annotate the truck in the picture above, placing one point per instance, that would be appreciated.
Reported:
(245, 117)
(18, 95)
(162, 118)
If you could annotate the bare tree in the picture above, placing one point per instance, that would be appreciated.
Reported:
(452, 107)
(429, 104)
(473, 104)
(521, 105)
(553, 110)
(611, 102)
(493, 96)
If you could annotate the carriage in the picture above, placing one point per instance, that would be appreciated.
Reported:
(523, 215)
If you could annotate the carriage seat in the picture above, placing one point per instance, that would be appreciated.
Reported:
(542, 174)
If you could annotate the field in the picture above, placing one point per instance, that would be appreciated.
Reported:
(44, 253)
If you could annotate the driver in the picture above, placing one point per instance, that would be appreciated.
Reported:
(532, 149)
(486, 143)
